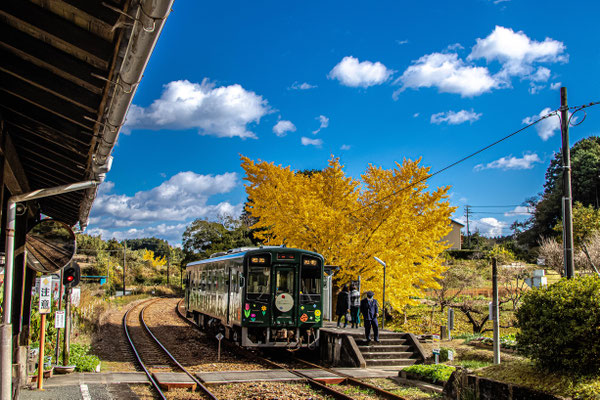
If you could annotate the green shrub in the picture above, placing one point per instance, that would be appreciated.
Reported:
(435, 372)
(559, 325)
(79, 356)
(444, 354)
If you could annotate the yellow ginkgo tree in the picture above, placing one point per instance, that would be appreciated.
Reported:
(386, 213)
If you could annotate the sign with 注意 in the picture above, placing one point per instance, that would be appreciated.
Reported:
(45, 294)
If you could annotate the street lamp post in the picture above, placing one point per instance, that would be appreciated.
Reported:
(383, 295)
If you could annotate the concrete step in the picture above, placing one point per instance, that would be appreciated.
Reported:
(360, 333)
(383, 348)
(392, 355)
(382, 342)
(390, 362)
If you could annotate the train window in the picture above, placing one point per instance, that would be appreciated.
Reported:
(285, 281)
(258, 283)
(310, 283)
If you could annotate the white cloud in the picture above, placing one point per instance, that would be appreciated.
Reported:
(105, 187)
(345, 147)
(448, 73)
(547, 127)
(351, 72)
(517, 52)
(454, 117)
(311, 142)
(487, 226)
(533, 88)
(519, 211)
(170, 233)
(555, 85)
(415, 115)
(282, 127)
(223, 111)
(455, 46)
(323, 123)
(182, 197)
(301, 86)
(506, 163)
(401, 42)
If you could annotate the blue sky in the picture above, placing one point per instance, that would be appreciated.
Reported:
(369, 82)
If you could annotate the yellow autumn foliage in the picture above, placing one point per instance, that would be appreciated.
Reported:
(156, 262)
(349, 221)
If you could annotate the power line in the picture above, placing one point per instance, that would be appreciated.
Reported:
(506, 206)
(550, 114)
(394, 193)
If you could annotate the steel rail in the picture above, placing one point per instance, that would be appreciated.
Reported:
(314, 383)
(42, 256)
(139, 360)
(355, 382)
(204, 388)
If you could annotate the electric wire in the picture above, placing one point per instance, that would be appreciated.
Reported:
(396, 192)
(548, 115)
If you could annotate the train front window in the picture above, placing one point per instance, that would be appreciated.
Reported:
(285, 281)
(310, 284)
(258, 283)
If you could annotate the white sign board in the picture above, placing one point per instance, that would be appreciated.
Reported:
(45, 294)
(450, 355)
(220, 336)
(59, 319)
(75, 296)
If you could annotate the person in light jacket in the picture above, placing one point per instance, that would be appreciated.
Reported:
(369, 309)
(342, 307)
(354, 306)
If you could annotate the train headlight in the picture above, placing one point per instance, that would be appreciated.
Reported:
(309, 261)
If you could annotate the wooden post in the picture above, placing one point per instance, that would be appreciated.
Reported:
(66, 343)
(41, 352)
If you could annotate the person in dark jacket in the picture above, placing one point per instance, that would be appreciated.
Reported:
(354, 306)
(342, 307)
(369, 309)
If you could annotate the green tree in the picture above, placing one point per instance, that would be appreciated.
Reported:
(585, 175)
(203, 238)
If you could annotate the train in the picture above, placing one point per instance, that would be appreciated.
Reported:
(259, 297)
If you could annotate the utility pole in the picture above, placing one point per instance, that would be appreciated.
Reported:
(467, 211)
(566, 200)
(124, 263)
(495, 312)
(168, 266)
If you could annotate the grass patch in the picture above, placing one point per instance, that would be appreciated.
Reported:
(525, 373)
(433, 372)
(474, 364)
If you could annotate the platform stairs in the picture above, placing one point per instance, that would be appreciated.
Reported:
(395, 349)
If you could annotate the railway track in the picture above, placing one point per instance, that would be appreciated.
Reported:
(328, 390)
(155, 353)
(47, 252)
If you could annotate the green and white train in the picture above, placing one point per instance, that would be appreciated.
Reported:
(259, 297)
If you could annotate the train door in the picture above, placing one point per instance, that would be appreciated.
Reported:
(283, 289)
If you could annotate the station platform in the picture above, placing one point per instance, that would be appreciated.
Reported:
(109, 386)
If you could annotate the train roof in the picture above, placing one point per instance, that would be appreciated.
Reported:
(242, 251)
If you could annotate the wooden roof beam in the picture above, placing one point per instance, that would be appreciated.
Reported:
(45, 80)
(45, 56)
(60, 33)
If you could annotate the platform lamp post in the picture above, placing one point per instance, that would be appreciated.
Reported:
(383, 295)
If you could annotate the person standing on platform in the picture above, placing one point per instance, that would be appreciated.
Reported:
(354, 306)
(370, 311)
(342, 307)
